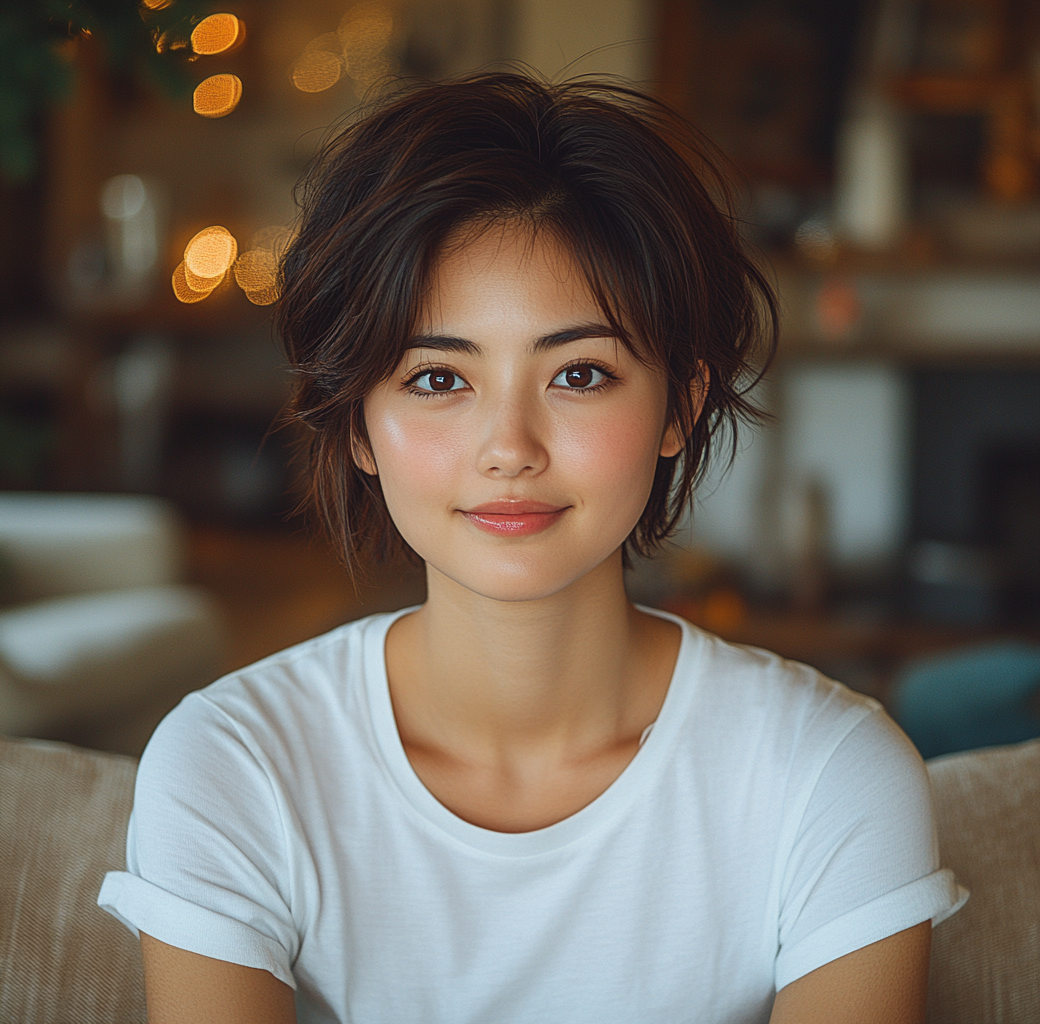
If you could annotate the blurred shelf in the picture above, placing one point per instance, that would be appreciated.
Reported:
(913, 314)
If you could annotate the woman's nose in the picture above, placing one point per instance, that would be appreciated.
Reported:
(513, 440)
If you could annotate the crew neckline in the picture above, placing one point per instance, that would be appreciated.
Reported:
(638, 774)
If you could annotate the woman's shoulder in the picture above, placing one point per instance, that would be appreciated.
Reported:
(764, 700)
(289, 698)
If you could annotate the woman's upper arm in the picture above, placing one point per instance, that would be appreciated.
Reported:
(883, 983)
(188, 988)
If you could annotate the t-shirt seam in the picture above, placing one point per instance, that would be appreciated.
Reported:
(244, 739)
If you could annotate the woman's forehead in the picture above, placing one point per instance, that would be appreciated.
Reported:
(510, 269)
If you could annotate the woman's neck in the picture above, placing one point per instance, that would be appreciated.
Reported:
(495, 682)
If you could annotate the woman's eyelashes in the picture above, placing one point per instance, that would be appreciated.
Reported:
(436, 381)
(583, 376)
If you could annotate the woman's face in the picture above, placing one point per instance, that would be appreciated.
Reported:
(517, 440)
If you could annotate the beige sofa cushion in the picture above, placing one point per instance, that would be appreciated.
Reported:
(63, 815)
(986, 958)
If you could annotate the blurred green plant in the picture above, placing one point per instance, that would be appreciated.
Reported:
(147, 42)
(26, 446)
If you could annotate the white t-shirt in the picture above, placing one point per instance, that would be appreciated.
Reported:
(772, 821)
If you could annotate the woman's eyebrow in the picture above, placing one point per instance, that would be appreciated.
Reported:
(445, 343)
(452, 343)
(577, 333)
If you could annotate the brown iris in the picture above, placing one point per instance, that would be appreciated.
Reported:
(579, 376)
(442, 381)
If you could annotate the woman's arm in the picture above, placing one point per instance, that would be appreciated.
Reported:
(187, 988)
(883, 983)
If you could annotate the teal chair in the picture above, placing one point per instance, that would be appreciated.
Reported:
(980, 697)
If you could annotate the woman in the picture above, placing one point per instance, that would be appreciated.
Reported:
(517, 317)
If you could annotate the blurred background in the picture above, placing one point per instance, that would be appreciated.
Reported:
(884, 526)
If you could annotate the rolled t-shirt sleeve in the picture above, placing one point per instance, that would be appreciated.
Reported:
(206, 860)
(864, 863)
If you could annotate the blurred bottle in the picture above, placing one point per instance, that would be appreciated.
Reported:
(872, 172)
(142, 376)
(872, 198)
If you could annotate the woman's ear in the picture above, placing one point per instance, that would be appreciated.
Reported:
(674, 437)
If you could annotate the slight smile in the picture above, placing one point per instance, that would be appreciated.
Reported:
(514, 518)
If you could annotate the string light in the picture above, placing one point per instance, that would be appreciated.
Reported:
(316, 70)
(217, 96)
(276, 238)
(211, 252)
(207, 258)
(256, 272)
(364, 32)
(218, 33)
(358, 46)
(184, 291)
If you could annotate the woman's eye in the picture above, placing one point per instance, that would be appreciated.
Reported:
(438, 381)
(579, 378)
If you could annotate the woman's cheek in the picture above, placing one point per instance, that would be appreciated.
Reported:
(612, 453)
(416, 453)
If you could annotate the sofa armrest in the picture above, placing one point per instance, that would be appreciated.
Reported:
(986, 958)
(63, 818)
(57, 544)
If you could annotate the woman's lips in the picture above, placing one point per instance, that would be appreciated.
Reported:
(514, 518)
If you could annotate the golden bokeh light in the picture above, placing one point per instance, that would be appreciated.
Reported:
(198, 283)
(316, 70)
(364, 33)
(366, 27)
(275, 239)
(256, 272)
(210, 253)
(156, 5)
(327, 41)
(184, 291)
(256, 269)
(358, 46)
(217, 34)
(217, 96)
(263, 297)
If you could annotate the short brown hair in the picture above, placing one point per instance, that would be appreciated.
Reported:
(630, 187)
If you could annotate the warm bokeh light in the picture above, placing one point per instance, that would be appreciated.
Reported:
(256, 269)
(256, 272)
(217, 34)
(366, 26)
(210, 253)
(364, 33)
(316, 70)
(156, 5)
(201, 284)
(276, 239)
(217, 96)
(359, 45)
(183, 290)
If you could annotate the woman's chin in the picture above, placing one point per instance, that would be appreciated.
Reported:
(523, 580)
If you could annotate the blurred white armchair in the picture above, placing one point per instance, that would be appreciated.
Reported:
(98, 638)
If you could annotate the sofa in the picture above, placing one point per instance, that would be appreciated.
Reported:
(99, 637)
(63, 817)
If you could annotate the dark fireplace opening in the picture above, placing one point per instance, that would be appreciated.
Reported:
(1009, 505)
(974, 554)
